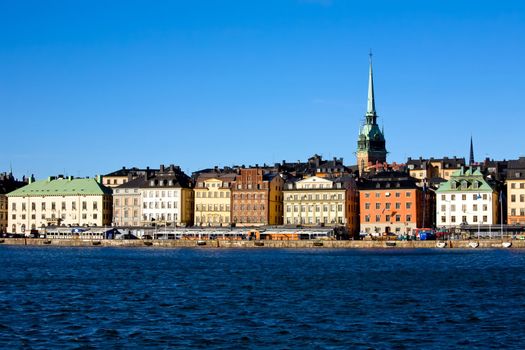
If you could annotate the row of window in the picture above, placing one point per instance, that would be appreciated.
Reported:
(248, 207)
(126, 201)
(216, 194)
(389, 218)
(464, 207)
(249, 196)
(454, 219)
(312, 208)
(213, 207)
(215, 219)
(316, 220)
(317, 196)
(513, 198)
(53, 206)
(125, 213)
(160, 205)
(53, 216)
(513, 185)
(475, 196)
(513, 212)
(156, 194)
(160, 217)
(388, 194)
(408, 205)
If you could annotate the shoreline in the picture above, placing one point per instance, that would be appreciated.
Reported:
(282, 244)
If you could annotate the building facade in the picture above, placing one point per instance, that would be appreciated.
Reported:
(213, 199)
(516, 191)
(60, 201)
(321, 201)
(167, 198)
(257, 198)
(392, 202)
(8, 184)
(466, 199)
(371, 141)
(127, 203)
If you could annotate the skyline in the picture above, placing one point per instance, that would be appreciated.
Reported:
(87, 88)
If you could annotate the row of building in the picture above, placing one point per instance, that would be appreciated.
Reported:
(384, 200)
(372, 197)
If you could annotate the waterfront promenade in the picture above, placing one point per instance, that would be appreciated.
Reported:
(301, 244)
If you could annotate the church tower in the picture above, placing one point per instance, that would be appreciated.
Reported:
(371, 141)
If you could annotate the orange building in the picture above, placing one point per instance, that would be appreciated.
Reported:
(392, 202)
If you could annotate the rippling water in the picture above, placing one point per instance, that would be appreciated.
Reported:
(194, 298)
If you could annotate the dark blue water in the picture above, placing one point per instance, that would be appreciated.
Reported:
(275, 299)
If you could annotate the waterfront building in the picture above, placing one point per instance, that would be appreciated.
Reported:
(468, 198)
(392, 202)
(213, 198)
(127, 202)
(435, 170)
(316, 201)
(8, 183)
(516, 191)
(167, 198)
(371, 141)
(121, 176)
(59, 201)
(257, 198)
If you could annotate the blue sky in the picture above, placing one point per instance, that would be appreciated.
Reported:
(87, 87)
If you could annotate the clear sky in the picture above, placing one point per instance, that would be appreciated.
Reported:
(87, 87)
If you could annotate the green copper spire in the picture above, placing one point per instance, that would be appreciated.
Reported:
(371, 110)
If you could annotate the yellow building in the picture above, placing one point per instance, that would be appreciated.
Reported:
(213, 199)
(316, 201)
(59, 201)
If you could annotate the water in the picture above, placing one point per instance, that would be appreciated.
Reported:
(264, 299)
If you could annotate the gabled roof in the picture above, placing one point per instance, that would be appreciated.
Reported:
(466, 179)
(61, 187)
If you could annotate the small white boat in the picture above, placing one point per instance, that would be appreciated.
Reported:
(441, 244)
(506, 244)
(473, 244)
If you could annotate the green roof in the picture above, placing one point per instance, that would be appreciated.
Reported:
(466, 179)
(61, 187)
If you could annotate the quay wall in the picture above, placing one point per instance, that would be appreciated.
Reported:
(461, 244)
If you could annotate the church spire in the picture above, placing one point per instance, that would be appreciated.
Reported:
(471, 159)
(371, 108)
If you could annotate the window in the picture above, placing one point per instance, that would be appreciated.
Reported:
(408, 194)
(398, 194)
(53, 206)
(453, 197)
(475, 207)
(378, 205)
(513, 198)
(398, 205)
(409, 218)
(63, 205)
(484, 218)
(387, 217)
(464, 220)
(387, 206)
(367, 205)
(408, 205)
(522, 198)
(378, 218)
(74, 205)
(513, 185)
(453, 207)
(475, 218)
(84, 205)
(464, 197)
(367, 195)
(398, 218)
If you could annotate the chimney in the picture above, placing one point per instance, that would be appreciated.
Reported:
(161, 168)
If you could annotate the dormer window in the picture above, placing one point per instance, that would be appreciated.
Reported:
(475, 184)
(453, 185)
(464, 184)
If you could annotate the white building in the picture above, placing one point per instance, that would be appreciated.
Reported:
(467, 198)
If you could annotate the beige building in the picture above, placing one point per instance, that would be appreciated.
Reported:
(316, 201)
(59, 201)
(127, 203)
(516, 191)
(428, 169)
(213, 199)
